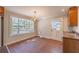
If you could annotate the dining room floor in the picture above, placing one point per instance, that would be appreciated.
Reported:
(37, 45)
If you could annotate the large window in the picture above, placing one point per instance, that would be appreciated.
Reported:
(20, 26)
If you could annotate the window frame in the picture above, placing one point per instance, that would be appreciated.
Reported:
(56, 21)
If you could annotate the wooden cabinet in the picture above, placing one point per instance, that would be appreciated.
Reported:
(73, 16)
(77, 46)
(1, 11)
(70, 45)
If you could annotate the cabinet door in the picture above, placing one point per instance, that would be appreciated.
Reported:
(69, 45)
(65, 45)
(72, 45)
(1, 10)
(77, 46)
(73, 16)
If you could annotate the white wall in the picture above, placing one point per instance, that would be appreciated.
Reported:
(65, 24)
(11, 39)
(44, 28)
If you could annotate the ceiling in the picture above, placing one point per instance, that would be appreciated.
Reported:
(46, 11)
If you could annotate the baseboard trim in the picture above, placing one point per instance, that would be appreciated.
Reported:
(21, 40)
(7, 49)
(49, 38)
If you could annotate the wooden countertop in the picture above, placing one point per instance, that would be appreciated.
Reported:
(71, 35)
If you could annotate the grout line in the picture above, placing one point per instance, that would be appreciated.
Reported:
(8, 49)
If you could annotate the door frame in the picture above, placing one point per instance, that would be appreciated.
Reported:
(2, 25)
(2, 31)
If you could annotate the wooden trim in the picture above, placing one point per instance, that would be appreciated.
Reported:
(2, 25)
(2, 31)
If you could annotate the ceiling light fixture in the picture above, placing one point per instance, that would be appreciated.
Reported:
(35, 15)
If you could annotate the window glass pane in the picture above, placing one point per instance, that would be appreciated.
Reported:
(21, 25)
(27, 25)
(31, 26)
(56, 25)
(14, 25)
